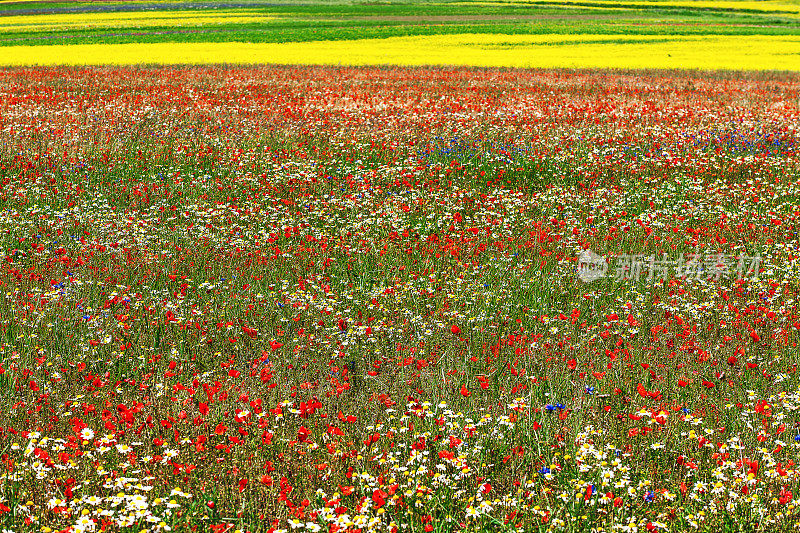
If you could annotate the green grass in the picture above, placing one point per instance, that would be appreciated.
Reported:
(306, 22)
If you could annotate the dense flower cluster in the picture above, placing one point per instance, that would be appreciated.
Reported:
(347, 299)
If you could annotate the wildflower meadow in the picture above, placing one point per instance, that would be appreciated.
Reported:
(380, 299)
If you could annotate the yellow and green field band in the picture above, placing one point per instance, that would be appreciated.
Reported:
(759, 52)
(127, 20)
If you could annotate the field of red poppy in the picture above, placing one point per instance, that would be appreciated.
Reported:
(363, 299)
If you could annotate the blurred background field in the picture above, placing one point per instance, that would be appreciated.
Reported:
(742, 35)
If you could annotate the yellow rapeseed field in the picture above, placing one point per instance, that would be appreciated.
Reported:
(136, 19)
(483, 50)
